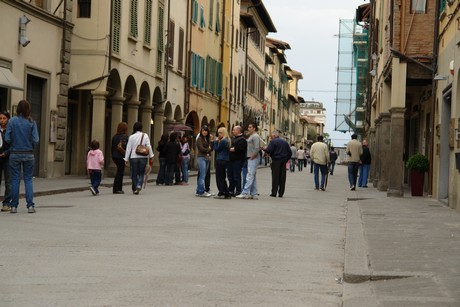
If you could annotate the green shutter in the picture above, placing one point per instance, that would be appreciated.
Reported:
(219, 79)
(116, 27)
(148, 22)
(160, 39)
(202, 21)
(133, 19)
(195, 12)
(217, 17)
(211, 13)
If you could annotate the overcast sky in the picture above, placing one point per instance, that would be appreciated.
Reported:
(309, 27)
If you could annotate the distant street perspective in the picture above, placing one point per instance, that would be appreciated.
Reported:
(167, 247)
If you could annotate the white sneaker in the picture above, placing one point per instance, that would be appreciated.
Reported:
(206, 194)
(244, 196)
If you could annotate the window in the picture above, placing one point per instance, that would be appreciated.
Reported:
(171, 30)
(116, 26)
(217, 18)
(84, 8)
(197, 71)
(148, 22)
(418, 6)
(133, 19)
(160, 39)
(180, 60)
(202, 21)
(195, 12)
(211, 13)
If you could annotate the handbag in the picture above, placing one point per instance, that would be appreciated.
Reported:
(141, 149)
(120, 148)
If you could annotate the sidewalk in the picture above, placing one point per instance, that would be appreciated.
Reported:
(400, 251)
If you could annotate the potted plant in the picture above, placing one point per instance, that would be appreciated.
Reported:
(418, 164)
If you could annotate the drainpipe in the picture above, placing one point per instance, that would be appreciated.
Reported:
(168, 47)
(433, 106)
(187, 58)
(231, 63)
(222, 60)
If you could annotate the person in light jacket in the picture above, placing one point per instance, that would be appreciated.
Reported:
(137, 162)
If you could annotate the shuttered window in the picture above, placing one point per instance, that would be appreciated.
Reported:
(217, 17)
(148, 22)
(160, 39)
(133, 31)
(180, 60)
(211, 13)
(202, 21)
(116, 26)
(171, 31)
(195, 12)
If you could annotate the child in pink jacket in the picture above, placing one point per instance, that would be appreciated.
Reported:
(94, 164)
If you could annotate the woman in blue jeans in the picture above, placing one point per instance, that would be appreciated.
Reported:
(22, 135)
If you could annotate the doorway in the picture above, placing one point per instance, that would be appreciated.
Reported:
(444, 154)
(35, 95)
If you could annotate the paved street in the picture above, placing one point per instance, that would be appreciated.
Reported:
(166, 247)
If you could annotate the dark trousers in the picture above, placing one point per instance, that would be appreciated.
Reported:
(118, 181)
(234, 176)
(5, 170)
(278, 177)
(170, 168)
(96, 177)
(221, 177)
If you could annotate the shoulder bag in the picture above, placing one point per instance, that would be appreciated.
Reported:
(141, 149)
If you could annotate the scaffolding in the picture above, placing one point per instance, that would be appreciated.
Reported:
(352, 77)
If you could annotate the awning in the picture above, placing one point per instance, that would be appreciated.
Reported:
(8, 80)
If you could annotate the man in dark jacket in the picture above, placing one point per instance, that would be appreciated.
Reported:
(280, 152)
(237, 158)
(364, 166)
(332, 158)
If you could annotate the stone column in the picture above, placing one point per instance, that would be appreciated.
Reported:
(98, 120)
(372, 149)
(133, 113)
(376, 157)
(117, 113)
(146, 119)
(158, 117)
(396, 160)
(384, 151)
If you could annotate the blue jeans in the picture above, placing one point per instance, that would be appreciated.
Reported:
(251, 184)
(137, 172)
(161, 172)
(316, 169)
(203, 165)
(244, 172)
(96, 177)
(185, 162)
(292, 165)
(352, 173)
(331, 167)
(363, 174)
(26, 161)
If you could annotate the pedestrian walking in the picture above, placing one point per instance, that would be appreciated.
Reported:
(161, 146)
(354, 151)
(293, 158)
(280, 153)
(250, 189)
(332, 158)
(185, 161)
(237, 158)
(94, 164)
(4, 162)
(203, 145)
(320, 157)
(22, 135)
(364, 166)
(222, 150)
(300, 158)
(136, 160)
(118, 151)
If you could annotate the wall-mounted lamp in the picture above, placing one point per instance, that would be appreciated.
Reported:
(373, 72)
(457, 134)
(23, 21)
(439, 77)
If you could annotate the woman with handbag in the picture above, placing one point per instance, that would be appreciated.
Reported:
(118, 149)
(138, 152)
